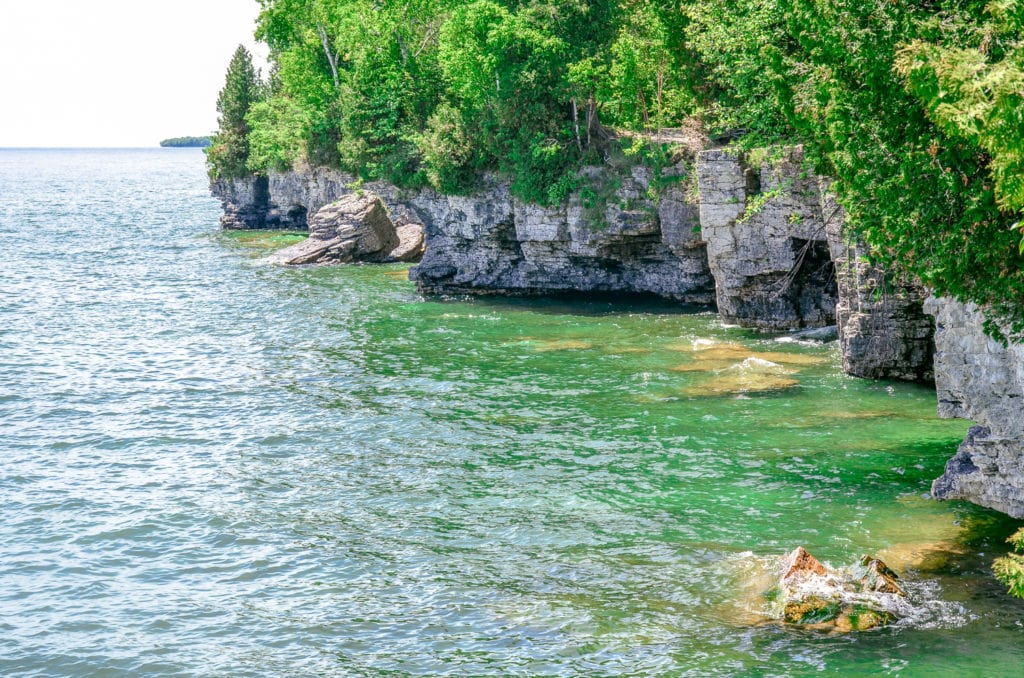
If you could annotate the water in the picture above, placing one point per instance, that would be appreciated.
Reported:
(215, 467)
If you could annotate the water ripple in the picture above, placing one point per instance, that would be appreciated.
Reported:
(215, 467)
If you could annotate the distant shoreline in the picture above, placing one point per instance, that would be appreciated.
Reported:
(186, 142)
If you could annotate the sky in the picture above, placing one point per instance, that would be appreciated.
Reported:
(114, 73)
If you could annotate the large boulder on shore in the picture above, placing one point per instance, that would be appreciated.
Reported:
(411, 243)
(355, 228)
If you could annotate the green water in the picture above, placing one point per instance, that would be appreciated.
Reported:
(217, 467)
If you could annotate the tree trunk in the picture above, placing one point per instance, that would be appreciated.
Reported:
(332, 59)
(576, 126)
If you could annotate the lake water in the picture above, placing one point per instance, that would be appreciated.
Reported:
(214, 467)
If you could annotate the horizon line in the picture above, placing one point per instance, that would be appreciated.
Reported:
(88, 148)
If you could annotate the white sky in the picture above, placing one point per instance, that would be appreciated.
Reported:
(115, 72)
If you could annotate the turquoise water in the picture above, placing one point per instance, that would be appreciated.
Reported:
(213, 467)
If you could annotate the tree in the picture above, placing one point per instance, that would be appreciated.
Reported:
(228, 156)
(974, 90)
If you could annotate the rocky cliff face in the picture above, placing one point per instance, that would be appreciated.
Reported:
(883, 328)
(783, 259)
(491, 243)
(766, 242)
(983, 381)
(495, 244)
(245, 202)
(767, 245)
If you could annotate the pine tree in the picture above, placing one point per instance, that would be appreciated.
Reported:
(228, 155)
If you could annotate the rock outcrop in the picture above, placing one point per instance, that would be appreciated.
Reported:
(245, 202)
(411, 243)
(768, 243)
(492, 243)
(767, 246)
(884, 331)
(354, 228)
(981, 380)
(761, 243)
(783, 258)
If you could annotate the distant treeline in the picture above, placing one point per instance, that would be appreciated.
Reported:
(187, 142)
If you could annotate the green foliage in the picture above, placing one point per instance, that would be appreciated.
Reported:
(972, 84)
(757, 203)
(1010, 568)
(447, 151)
(186, 142)
(279, 136)
(745, 73)
(228, 154)
(645, 87)
(923, 200)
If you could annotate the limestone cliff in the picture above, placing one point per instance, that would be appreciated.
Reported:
(492, 243)
(766, 241)
(783, 258)
(980, 380)
(883, 328)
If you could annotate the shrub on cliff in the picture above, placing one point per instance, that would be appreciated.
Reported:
(228, 155)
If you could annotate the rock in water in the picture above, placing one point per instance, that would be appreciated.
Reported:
(878, 577)
(811, 595)
(801, 563)
(355, 228)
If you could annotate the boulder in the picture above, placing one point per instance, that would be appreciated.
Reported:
(355, 228)
(860, 598)
(878, 577)
(411, 244)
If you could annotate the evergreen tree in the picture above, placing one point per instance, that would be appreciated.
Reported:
(229, 154)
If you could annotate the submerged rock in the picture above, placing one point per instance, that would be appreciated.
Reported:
(355, 228)
(704, 366)
(562, 345)
(819, 335)
(753, 375)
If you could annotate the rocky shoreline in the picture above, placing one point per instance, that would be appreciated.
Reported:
(765, 242)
